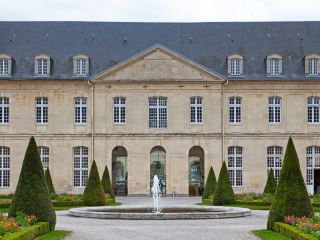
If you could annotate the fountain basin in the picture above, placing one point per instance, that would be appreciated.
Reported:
(178, 212)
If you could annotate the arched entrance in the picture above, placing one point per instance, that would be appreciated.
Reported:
(158, 167)
(196, 171)
(120, 171)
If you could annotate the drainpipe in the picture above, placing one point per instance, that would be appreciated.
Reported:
(92, 118)
(222, 118)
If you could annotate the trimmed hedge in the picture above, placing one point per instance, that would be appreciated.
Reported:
(49, 181)
(93, 193)
(292, 232)
(211, 184)
(271, 184)
(32, 195)
(291, 197)
(29, 233)
(106, 183)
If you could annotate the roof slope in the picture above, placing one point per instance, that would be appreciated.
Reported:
(209, 44)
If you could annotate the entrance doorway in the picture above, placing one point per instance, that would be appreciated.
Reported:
(158, 167)
(196, 171)
(120, 171)
(316, 181)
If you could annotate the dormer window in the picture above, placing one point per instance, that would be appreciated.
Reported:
(274, 65)
(235, 65)
(42, 65)
(5, 65)
(312, 64)
(81, 65)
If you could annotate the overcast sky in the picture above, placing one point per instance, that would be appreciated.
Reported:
(160, 10)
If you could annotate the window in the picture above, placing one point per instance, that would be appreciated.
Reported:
(235, 164)
(274, 65)
(312, 65)
(4, 166)
(44, 155)
(274, 160)
(235, 110)
(313, 161)
(196, 110)
(274, 109)
(119, 110)
(80, 111)
(80, 65)
(157, 112)
(4, 67)
(80, 166)
(235, 65)
(313, 109)
(42, 110)
(42, 67)
(4, 110)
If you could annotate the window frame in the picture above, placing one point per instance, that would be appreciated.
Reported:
(44, 153)
(273, 156)
(272, 107)
(197, 107)
(6, 60)
(4, 110)
(44, 111)
(82, 157)
(42, 62)
(312, 62)
(235, 156)
(312, 157)
(80, 111)
(5, 169)
(315, 107)
(234, 106)
(84, 60)
(120, 108)
(235, 62)
(158, 109)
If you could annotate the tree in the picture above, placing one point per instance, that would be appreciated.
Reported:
(224, 194)
(106, 183)
(291, 196)
(32, 196)
(271, 184)
(93, 193)
(49, 181)
(210, 185)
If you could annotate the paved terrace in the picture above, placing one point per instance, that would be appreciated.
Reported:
(211, 229)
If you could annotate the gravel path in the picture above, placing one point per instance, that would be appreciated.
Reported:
(216, 229)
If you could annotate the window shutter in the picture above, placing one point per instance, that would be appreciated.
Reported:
(241, 66)
(9, 66)
(35, 67)
(268, 66)
(229, 66)
(87, 66)
(49, 66)
(280, 66)
(74, 66)
(306, 66)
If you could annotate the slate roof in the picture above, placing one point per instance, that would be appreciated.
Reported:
(209, 44)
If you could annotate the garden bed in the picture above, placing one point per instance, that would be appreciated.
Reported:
(293, 232)
(29, 233)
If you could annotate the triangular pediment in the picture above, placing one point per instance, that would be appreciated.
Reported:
(157, 63)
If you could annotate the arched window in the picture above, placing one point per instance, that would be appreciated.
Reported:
(313, 109)
(80, 166)
(196, 171)
(235, 165)
(274, 160)
(158, 166)
(4, 166)
(120, 171)
(44, 155)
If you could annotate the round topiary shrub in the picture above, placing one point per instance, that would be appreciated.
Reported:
(93, 193)
(210, 185)
(271, 184)
(223, 194)
(32, 196)
(291, 196)
(106, 183)
(49, 181)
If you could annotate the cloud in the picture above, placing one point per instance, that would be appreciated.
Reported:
(160, 10)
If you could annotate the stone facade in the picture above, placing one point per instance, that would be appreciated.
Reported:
(157, 73)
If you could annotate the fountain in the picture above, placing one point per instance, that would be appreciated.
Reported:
(156, 194)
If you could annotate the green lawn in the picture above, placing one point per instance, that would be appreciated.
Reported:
(54, 235)
(269, 235)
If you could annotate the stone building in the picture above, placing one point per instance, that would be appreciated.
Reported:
(170, 99)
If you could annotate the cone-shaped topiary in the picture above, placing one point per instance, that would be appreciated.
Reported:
(271, 184)
(223, 194)
(93, 193)
(106, 183)
(291, 196)
(210, 185)
(49, 181)
(32, 196)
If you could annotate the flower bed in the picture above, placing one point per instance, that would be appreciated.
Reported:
(29, 233)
